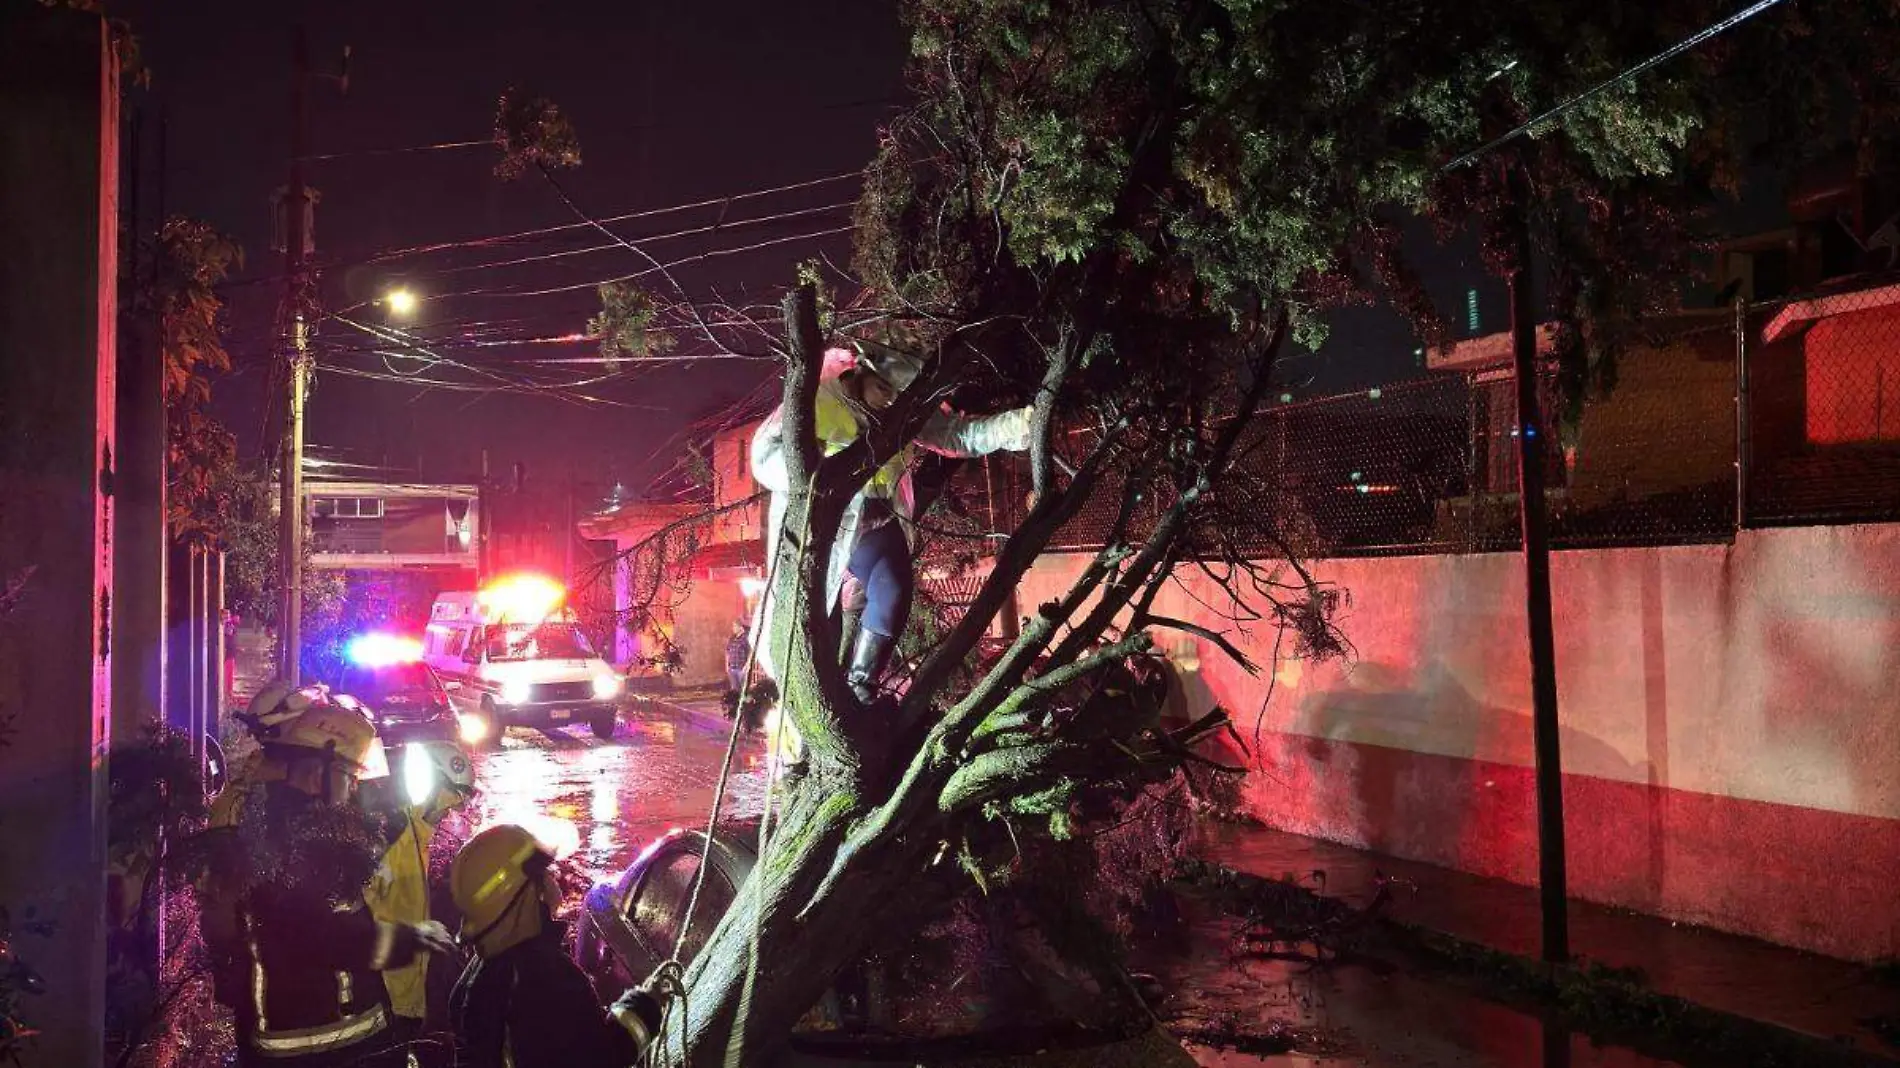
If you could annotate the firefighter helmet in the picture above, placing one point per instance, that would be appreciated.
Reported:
(895, 366)
(309, 719)
(452, 766)
(494, 871)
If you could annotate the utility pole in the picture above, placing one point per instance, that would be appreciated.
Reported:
(297, 354)
(567, 531)
(1553, 879)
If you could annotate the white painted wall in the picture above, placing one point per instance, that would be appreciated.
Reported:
(1768, 670)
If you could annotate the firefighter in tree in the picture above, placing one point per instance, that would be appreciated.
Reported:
(876, 536)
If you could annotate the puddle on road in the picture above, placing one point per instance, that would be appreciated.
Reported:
(1287, 1013)
(603, 802)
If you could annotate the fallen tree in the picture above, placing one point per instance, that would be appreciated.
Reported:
(1125, 215)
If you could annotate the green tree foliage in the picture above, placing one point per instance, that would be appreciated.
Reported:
(1118, 211)
(192, 259)
(626, 324)
(251, 565)
(532, 135)
(1247, 154)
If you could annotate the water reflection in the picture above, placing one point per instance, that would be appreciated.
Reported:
(616, 796)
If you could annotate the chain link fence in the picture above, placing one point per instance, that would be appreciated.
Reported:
(1786, 413)
(1822, 409)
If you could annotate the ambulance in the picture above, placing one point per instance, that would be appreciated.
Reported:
(513, 654)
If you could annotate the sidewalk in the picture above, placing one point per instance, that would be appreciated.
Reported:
(702, 704)
(1790, 1005)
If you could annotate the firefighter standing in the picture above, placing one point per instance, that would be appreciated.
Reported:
(522, 1002)
(399, 891)
(296, 953)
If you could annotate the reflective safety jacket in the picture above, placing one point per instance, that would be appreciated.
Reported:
(399, 894)
(839, 421)
(312, 974)
(300, 970)
(531, 1006)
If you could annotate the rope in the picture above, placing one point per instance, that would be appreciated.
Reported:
(672, 970)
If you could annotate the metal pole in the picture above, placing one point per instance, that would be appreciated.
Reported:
(290, 480)
(1474, 493)
(220, 653)
(208, 630)
(567, 532)
(1531, 451)
(481, 523)
(1741, 412)
(194, 645)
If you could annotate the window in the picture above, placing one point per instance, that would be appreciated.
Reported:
(547, 641)
(348, 507)
(413, 681)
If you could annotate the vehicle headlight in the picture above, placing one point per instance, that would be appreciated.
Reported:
(516, 691)
(473, 729)
(606, 686)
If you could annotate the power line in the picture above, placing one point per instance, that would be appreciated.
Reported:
(701, 257)
(397, 151)
(842, 105)
(499, 239)
(470, 387)
(1659, 58)
(590, 249)
(521, 235)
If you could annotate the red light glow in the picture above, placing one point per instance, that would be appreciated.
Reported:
(522, 598)
(383, 650)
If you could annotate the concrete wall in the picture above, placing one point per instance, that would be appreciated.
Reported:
(702, 625)
(1731, 724)
(59, 212)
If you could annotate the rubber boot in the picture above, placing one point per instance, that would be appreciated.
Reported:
(869, 656)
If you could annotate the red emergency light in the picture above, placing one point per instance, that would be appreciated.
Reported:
(522, 598)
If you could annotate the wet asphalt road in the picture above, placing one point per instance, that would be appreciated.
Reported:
(608, 799)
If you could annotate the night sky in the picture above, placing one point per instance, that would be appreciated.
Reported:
(673, 103)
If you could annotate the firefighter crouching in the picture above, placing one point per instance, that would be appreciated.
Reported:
(523, 1002)
(437, 779)
(296, 954)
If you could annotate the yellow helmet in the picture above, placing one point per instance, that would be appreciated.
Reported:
(309, 719)
(493, 872)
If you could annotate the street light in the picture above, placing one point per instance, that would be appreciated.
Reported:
(400, 302)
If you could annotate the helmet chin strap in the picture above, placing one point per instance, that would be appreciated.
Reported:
(533, 868)
(473, 940)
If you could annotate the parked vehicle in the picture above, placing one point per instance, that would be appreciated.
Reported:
(512, 654)
(404, 695)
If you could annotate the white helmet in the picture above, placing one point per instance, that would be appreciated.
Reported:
(895, 366)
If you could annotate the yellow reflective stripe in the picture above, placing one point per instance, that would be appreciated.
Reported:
(344, 987)
(320, 1039)
(257, 975)
(884, 483)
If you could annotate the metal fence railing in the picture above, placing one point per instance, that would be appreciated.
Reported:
(1787, 413)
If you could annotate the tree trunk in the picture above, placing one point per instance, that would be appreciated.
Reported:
(777, 949)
